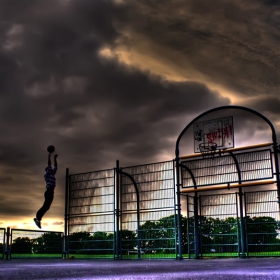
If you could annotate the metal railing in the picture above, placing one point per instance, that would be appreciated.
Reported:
(24, 243)
(262, 224)
(91, 214)
(148, 220)
(2, 241)
(228, 168)
(218, 231)
(219, 225)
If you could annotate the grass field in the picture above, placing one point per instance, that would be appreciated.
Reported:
(35, 256)
(235, 255)
(144, 256)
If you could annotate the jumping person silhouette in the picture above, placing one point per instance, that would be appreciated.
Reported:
(49, 193)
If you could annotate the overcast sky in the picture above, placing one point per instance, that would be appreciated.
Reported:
(107, 80)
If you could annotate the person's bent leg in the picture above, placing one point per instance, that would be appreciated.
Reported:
(49, 194)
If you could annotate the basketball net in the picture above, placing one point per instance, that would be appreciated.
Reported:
(208, 149)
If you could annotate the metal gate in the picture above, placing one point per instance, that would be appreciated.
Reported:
(148, 225)
(218, 225)
(91, 217)
(262, 223)
(189, 243)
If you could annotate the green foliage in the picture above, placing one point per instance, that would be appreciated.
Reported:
(48, 243)
(79, 240)
(22, 245)
(87, 243)
(102, 242)
(159, 237)
(262, 234)
(129, 239)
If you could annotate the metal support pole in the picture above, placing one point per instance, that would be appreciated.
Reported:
(8, 251)
(237, 167)
(117, 212)
(65, 245)
(179, 215)
(246, 227)
(276, 161)
(196, 231)
(242, 227)
(237, 223)
(188, 225)
(175, 209)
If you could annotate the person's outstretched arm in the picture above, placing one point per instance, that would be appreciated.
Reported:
(55, 161)
(49, 160)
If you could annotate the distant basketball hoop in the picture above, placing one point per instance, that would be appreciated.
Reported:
(208, 149)
(212, 135)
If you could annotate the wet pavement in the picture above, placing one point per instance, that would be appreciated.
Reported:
(70, 269)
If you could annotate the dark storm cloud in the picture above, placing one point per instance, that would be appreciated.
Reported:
(266, 104)
(232, 43)
(65, 50)
(269, 106)
(56, 88)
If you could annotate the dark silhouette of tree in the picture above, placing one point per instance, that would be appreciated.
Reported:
(102, 243)
(159, 236)
(21, 245)
(262, 232)
(48, 243)
(79, 241)
(129, 240)
(96, 243)
(215, 235)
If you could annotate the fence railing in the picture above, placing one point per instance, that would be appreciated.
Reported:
(148, 225)
(2, 242)
(133, 213)
(218, 231)
(24, 243)
(91, 216)
(262, 225)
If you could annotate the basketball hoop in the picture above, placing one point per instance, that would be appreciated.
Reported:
(208, 149)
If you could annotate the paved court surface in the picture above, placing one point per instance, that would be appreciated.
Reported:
(261, 268)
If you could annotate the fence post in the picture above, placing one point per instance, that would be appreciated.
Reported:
(65, 238)
(196, 225)
(8, 251)
(117, 239)
(242, 226)
(178, 207)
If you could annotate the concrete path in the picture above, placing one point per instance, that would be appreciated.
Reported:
(260, 268)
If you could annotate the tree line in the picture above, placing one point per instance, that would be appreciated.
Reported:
(161, 237)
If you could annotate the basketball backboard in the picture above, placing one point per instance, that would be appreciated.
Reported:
(217, 131)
